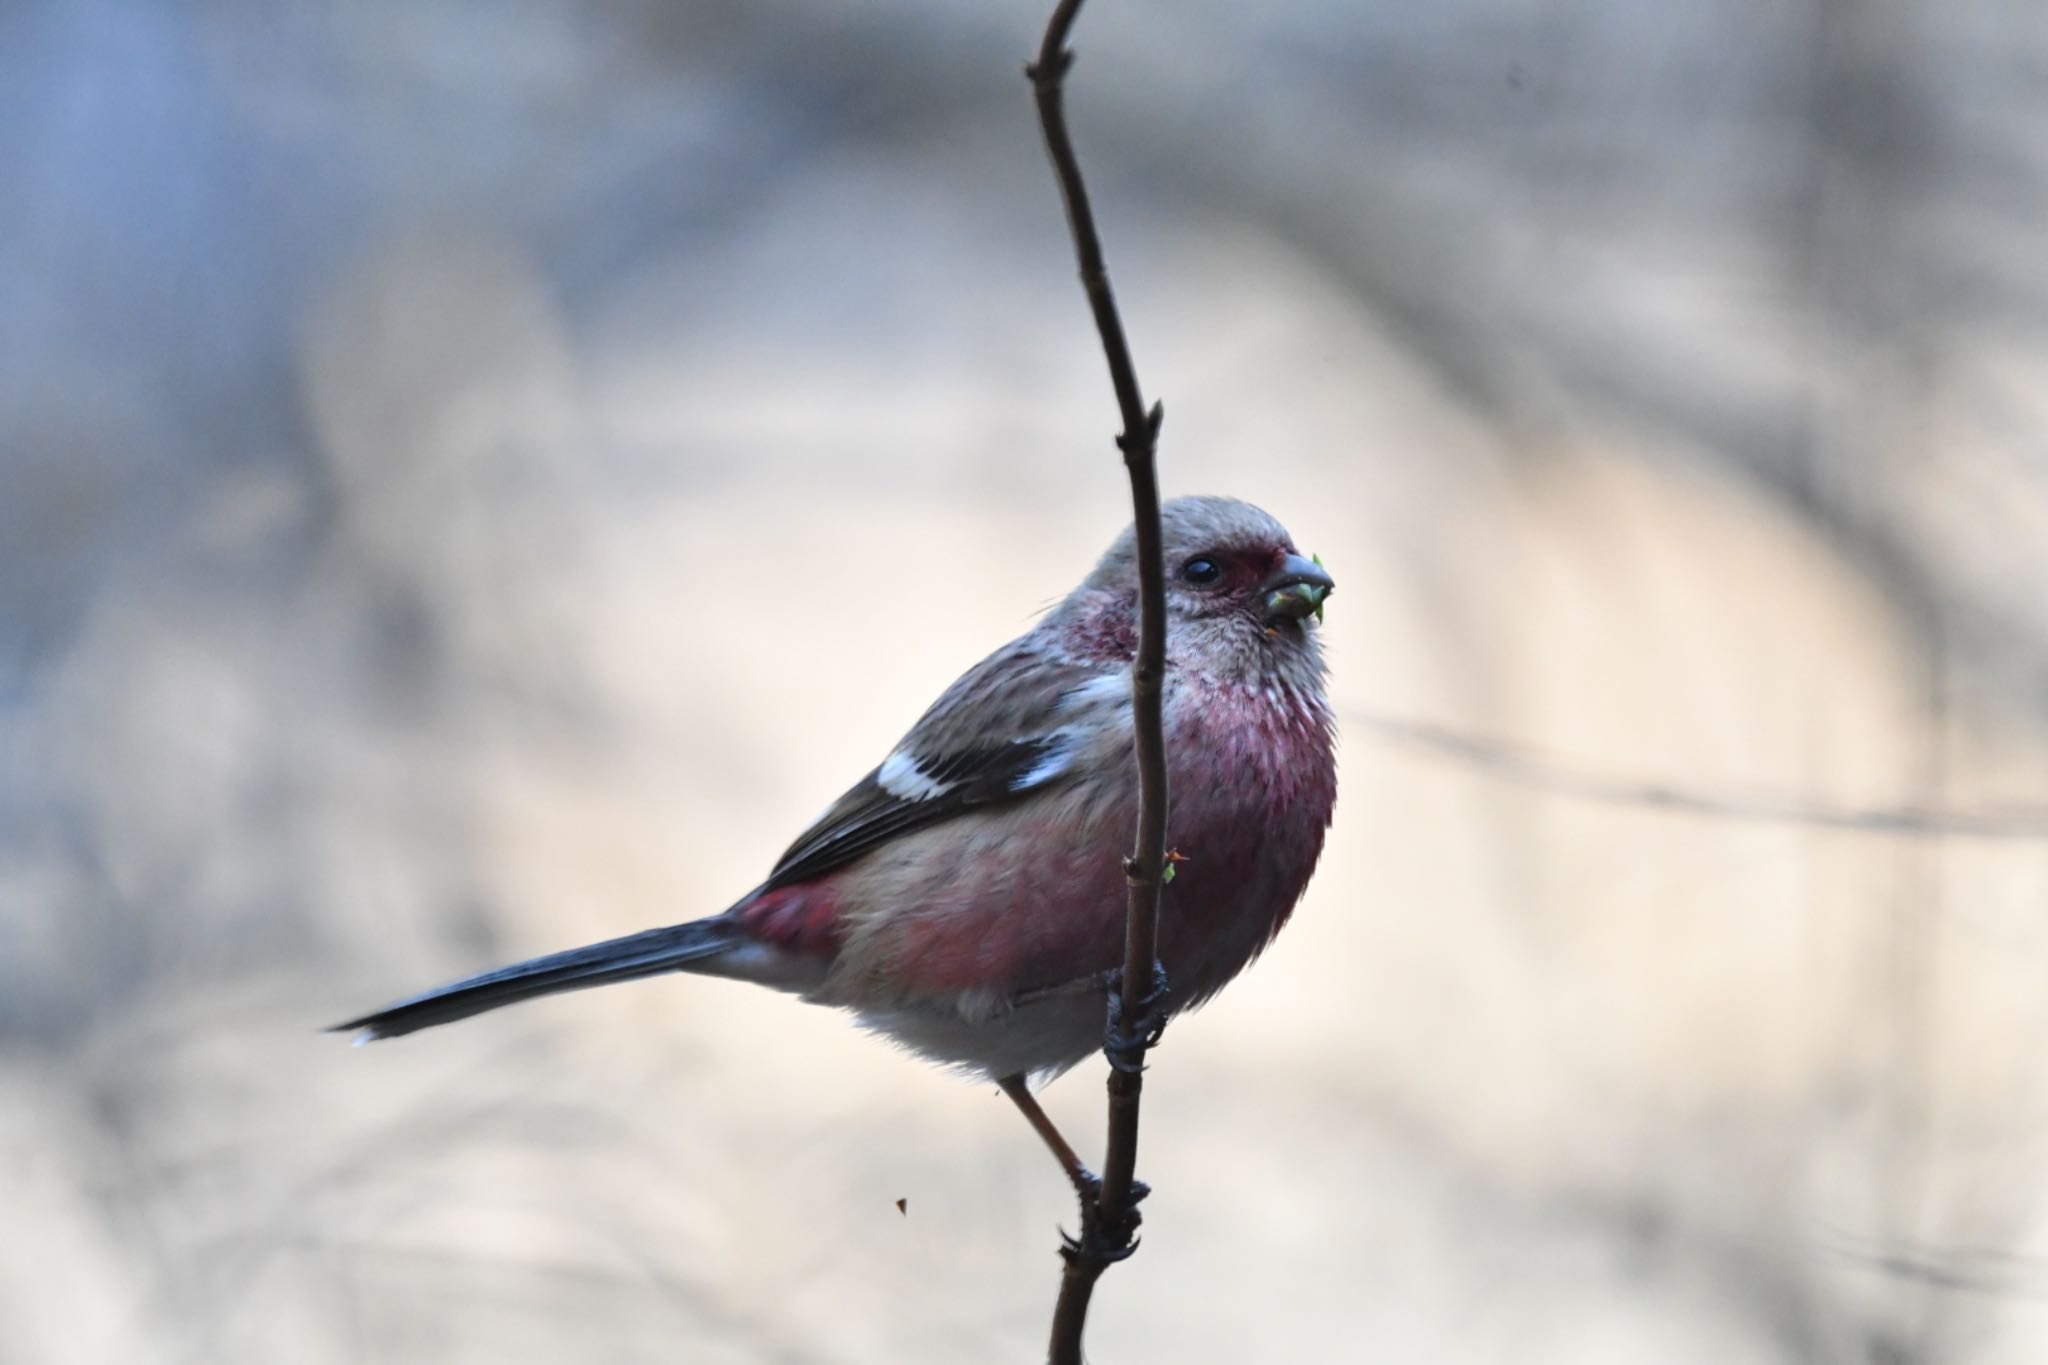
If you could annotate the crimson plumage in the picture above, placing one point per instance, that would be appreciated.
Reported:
(967, 897)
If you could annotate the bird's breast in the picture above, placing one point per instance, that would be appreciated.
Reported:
(1253, 777)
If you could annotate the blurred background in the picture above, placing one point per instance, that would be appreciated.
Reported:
(475, 479)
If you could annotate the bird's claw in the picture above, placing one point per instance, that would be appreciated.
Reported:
(1088, 1186)
(1101, 1241)
(1093, 1247)
(1129, 1036)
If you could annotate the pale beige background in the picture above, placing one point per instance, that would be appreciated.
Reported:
(473, 483)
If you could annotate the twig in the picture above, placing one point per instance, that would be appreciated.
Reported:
(1511, 763)
(1107, 1237)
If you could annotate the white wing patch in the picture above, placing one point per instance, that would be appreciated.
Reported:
(900, 776)
(1109, 688)
(1057, 760)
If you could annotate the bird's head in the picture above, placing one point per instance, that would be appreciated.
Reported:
(1234, 577)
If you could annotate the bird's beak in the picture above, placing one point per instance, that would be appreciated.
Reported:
(1297, 589)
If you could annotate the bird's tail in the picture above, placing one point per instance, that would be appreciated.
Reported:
(619, 959)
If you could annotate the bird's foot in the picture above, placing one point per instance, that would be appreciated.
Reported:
(1103, 1240)
(1130, 1034)
(1088, 1186)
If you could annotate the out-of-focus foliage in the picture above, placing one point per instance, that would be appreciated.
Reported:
(476, 478)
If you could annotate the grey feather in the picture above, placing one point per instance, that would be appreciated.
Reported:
(1044, 701)
(650, 953)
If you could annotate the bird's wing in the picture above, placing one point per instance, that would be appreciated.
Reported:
(1014, 726)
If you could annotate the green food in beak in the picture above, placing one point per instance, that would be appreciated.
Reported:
(1297, 589)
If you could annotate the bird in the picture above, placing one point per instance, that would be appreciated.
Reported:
(966, 898)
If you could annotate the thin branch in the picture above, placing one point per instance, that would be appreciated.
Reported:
(1992, 1271)
(1511, 763)
(1108, 1236)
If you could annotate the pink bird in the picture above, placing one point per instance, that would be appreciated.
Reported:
(967, 897)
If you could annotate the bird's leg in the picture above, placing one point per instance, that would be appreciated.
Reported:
(1128, 1037)
(1087, 1184)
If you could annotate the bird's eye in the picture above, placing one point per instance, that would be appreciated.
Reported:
(1201, 572)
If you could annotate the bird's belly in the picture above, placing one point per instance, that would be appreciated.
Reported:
(1042, 1037)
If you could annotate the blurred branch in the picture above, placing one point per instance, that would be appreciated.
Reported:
(1107, 1230)
(1509, 763)
(1992, 1272)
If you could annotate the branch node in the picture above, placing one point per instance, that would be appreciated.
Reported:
(1062, 62)
(1141, 441)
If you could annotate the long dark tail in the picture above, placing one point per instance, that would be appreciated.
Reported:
(619, 959)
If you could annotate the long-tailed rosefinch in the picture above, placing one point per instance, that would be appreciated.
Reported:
(967, 897)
